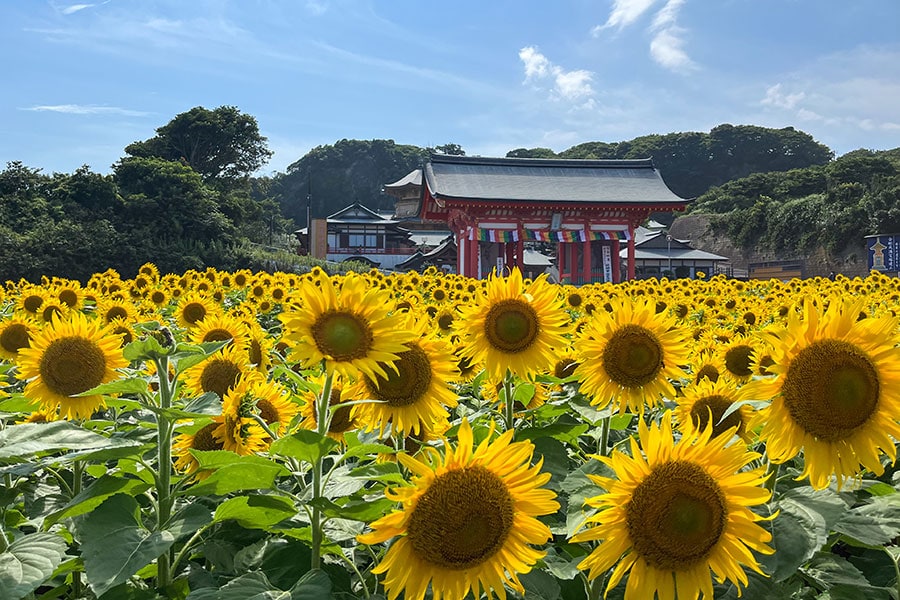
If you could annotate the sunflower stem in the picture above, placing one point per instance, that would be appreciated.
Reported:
(322, 424)
(772, 478)
(603, 443)
(77, 476)
(164, 467)
(508, 407)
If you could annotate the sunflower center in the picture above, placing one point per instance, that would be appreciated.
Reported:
(341, 419)
(68, 297)
(217, 335)
(831, 388)
(715, 405)
(462, 520)
(71, 365)
(14, 337)
(445, 322)
(511, 326)
(267, 411)
(193, 312)
(157, 297)
(676, 516)
(409, 384)
(565, 368)
(219, 376)
(32, 303)
(342, 335)
(204, 440)
(709, 372)
(737, 360)
(633, 356)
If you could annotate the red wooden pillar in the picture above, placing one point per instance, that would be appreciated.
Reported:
(561, 259)
(631, 252)
(462, 243)
(520, 253)
(472, 253)
(616, 274)
(586, 263)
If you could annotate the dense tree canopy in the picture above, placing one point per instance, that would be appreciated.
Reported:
(219, 144)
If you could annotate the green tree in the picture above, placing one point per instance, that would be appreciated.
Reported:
(222, 144)
(531, 153)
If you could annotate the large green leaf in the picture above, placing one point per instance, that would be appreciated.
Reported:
(872, 524)
(540, 585)
(24, 440)
(233, 473)
(131, 386)
(256, 511)
(189, 519)
(28, 562)
(314, 585)
(115, 545)
(250, 586)
(305, 445)
(831, 570)
(94, 495)
(798, 532)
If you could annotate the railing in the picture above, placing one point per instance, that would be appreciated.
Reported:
(364, 250)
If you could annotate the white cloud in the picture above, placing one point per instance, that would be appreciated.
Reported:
(75, 8)
(87, 109)
(624, 13)
(776, 97)
(667, 49)
(566, 85)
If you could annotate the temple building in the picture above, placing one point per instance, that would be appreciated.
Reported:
(584, 210)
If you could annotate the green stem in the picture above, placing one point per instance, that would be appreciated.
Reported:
(77, 476)
(323, 419)
(4, 543)
(164, 494)
(187, 546)
(509, 406)
(603, 444)
(896, 561)
(772, 478)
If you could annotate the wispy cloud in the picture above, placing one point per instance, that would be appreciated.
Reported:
(574, 85)
(624, 13)
(317, 7)
(87, 109)
(776, 97)
(667, 47)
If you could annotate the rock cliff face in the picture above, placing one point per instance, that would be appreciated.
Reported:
(695, 227)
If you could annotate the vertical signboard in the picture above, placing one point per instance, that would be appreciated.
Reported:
(883, 252)
(607, 263)
(318, 238)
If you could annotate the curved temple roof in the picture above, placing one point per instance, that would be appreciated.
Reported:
(546, 180)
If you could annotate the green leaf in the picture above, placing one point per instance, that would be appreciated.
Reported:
(355, 510)
(24, 440)
(255, 511)
(233, 473)
(305, 445)
(188, 520)
(148, 348)
(797, 533)
(825, 502)
(95, 494)
(188, 355)
(567, 433)
(875, 523)
(133, 386)
(830, 569)
(250, 586)
(205, 405)
(115, 545)
(314, 585)
(368, 450)
(539, 585)
(28, 562)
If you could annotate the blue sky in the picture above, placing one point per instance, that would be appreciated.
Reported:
(84, 79)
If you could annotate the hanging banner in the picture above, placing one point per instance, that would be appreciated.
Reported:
(494, 235)
(607, 263)
(574, 235)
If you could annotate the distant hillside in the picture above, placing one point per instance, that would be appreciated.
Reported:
(691, 163)
(821, 212)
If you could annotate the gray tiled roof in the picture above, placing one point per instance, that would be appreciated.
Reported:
(547, 180)
(676, 254)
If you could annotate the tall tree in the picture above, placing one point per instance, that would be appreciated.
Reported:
(222, 144)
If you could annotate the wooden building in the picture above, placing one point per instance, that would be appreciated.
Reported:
(586, 209)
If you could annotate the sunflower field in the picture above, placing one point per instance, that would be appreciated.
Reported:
(235, 435)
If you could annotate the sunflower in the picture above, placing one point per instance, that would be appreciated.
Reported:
(69, 357)
(676, 514)
(109, 310)
(631, 354)
(514, 326)
(467, 522)
(218, 328)
(217, 373)
(30, 299)
(415, 392)
(348, 325)
(835, 394)
(705, 402)
(736, 357)
(16, 333)
(193, 308)
(239, 432)
(195, 438)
